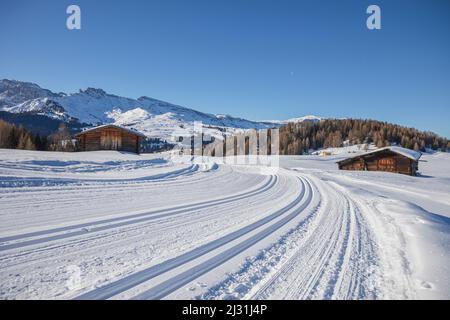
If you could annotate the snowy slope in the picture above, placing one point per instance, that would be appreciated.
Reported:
(309, 118)
(153, 117)
(13, 92)
(110, 225)
(94, 106)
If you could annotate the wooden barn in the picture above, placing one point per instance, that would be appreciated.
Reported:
(390, 159)
(110, 137)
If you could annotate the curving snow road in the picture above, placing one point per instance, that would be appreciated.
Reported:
(116, 226)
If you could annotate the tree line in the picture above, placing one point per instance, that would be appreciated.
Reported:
(17, 137)
(301, 138)
(295, 138)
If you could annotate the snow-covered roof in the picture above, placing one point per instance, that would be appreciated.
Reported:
(411, 154)
(414, 155)
(112, 126)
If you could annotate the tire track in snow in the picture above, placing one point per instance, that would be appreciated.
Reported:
(133, 280)
(170, 225)
(340, 258)
(18, 182)
(324, 257)
(64, 190)
(123, 220)
(328, 264)
(44, 204)
(397, 281)
(171, 285)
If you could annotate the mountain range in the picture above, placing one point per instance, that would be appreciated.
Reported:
(155, 118)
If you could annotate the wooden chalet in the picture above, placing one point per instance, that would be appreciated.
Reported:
(390, 159)
(110, 137)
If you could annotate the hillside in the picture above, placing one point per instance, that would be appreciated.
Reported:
(41, 111)
(153, 117)
(301, 138)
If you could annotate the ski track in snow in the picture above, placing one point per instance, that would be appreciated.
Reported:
(75, 230)
(175, 231)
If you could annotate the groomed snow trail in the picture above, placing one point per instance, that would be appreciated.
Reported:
(183, 231)
(219, 247)
(332, 254)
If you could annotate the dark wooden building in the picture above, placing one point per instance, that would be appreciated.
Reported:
(390, 159)
(110, 137)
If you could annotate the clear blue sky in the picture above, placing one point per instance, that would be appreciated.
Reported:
(256, 59)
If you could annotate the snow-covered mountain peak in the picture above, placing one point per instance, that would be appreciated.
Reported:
(94, 92)
(156, 118)
(145, 98)
(13, 92)
(95, 106)
(223, 116)
(308, 118)
(130, 116)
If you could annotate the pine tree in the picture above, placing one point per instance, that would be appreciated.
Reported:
(331, 133)
(22, 142)
(38, 142)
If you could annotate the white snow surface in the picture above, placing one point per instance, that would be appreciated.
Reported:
(308, 118)
(112, 225)
(414, 155)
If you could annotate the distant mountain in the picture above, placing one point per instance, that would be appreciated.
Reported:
(41, 110)
(39, 124)
(309, 118)
(94, 106)
(13, 93)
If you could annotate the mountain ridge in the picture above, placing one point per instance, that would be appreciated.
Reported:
(94, 106)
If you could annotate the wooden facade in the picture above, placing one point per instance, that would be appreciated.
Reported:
(390, 159)
(110, 137)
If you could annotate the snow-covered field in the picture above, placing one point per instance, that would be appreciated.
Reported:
(111, 225)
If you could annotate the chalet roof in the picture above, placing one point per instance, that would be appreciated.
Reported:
(112, 126)
(413, 155)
